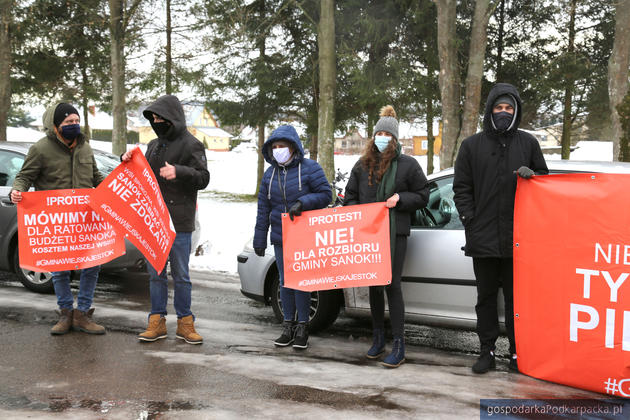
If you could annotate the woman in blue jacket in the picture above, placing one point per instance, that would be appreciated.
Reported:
(291, 185)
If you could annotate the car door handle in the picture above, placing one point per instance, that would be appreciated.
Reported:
(6, 202)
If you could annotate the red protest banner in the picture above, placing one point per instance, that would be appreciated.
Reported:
(58, 231)
(337, 247)
(130, 199)
(571, 298)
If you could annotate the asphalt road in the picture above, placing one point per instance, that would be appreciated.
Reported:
(237, 372)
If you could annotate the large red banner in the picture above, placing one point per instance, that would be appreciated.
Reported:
(59, 231)
(130, 199)
(571, 298)
(337, 247)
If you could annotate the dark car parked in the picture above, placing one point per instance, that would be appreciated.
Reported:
(12, 155)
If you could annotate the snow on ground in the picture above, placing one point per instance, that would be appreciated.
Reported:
(227, 225)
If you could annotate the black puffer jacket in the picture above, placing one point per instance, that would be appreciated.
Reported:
(181, 149)
(411, 186)
(485, 179)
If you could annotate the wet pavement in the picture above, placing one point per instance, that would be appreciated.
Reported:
(237, 372)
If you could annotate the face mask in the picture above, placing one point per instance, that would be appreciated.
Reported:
(502, 120)
(381, 142)
(160, 128)
(281, 154)
(71, 131)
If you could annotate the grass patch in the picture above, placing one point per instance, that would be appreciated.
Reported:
(226, 196)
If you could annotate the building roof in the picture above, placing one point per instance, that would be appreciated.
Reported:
(214, 132)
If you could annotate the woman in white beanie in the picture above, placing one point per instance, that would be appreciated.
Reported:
(384, 174)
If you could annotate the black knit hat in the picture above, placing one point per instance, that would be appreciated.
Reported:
(504, 99)
(62, 111)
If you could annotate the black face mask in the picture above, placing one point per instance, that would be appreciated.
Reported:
(502, 120)
(160, 128)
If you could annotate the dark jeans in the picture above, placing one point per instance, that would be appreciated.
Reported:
(182, 287)
(394, 295)
(292, 299)
(491, 274)
(87, 286)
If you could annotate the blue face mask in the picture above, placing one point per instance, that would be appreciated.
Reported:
(381, 142)
(71, 131)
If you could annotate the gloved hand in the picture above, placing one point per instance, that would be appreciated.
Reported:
(260, 251)
(525, 172)
(295, 209)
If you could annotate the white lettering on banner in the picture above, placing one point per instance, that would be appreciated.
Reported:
(575, 324)
(68, 200)
(334, 236)
(44, 218)
(613, 250)
(335, 218)
(614, 285)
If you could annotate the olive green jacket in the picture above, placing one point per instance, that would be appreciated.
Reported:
(52, 165)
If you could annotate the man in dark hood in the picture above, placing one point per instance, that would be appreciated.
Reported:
(64, 160)
(485, 186)
(178, 161)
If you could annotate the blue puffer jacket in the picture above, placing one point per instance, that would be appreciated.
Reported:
(303, 180)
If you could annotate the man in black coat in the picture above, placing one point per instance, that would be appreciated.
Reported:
(178, 161)
(485, 186)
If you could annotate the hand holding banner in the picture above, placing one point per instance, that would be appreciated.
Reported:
(337, 247)
(58, 231)
(131, 200)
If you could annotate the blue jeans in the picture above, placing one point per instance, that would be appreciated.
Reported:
(87, 285)
(290, 297)
(178, 258)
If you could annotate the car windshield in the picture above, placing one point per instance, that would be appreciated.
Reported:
(106, 162)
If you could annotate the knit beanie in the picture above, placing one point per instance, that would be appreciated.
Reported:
(504, 99)
(387, 122)
(62, 111)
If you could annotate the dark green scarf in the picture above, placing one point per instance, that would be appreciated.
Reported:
(385, 190)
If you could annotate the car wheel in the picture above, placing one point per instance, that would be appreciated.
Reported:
(325, 305)
(40, 282)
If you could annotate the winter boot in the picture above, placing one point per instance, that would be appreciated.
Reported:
(82, 321)
(513, 365)
(286, 338)
(378, 344)
(301, 336)
(64, 324)
(186, 330)
(156, 329)
(397, 356)
(485, 362)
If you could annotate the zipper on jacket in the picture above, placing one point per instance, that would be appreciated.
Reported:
(283, 188)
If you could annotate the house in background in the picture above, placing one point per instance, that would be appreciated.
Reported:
(421, 143)
(352, 143)
(199, 122)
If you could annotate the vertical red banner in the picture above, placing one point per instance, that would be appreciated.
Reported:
(58, 231)
(130, 199)
(571, 294)
(337, 247)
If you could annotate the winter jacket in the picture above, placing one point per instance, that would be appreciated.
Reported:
(485, 179)
(51, 165)
(187, 154)
(411, 186)
(301, 179)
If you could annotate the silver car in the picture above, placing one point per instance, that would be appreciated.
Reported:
(438, 281)
(12, 155)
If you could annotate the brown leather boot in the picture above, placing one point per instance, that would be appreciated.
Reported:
(65, 322)
(155, 330)
(82, 321)
(186, 330)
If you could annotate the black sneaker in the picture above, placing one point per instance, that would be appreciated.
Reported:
(286, 338)
(301, 336)
(484, 363)
(513, 365)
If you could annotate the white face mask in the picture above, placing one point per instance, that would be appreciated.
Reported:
(281, 154)
(381, 142)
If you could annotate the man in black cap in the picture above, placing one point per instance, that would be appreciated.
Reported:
(64, 160)
(485, 186)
